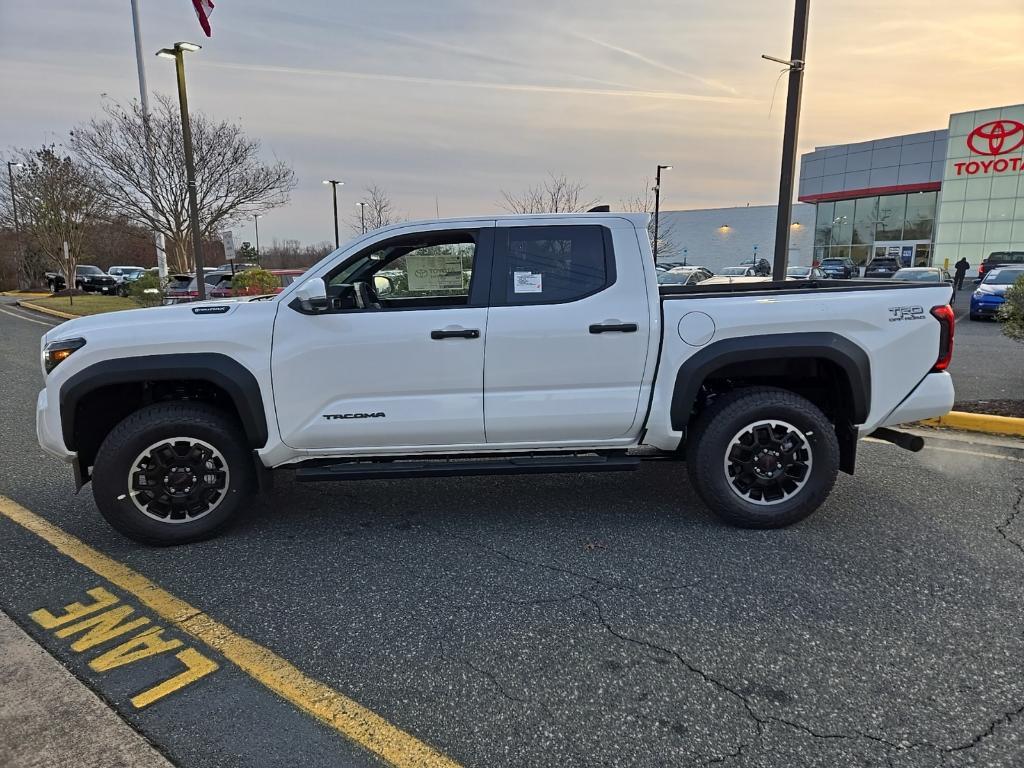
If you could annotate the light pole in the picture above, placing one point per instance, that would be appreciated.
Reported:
(11, 165)
(657, 205)
(256, 219)
(334, 190)
(797, 57)
(178, 54)
(362, 216)
(158, 238)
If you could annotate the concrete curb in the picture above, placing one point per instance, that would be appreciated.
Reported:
(48, 311)
(979, 422)
(33, 294)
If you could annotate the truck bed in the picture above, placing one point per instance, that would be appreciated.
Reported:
(786, 286)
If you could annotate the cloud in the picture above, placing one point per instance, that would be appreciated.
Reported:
(717, 85)
(487, 85)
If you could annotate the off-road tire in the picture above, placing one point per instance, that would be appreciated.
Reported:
(148, 427)
(711, 438)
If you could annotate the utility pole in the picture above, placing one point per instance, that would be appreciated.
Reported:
(362, 216)
(256, 219)
(158, 238)
(657, 205)
(178, 54)
(795, 64)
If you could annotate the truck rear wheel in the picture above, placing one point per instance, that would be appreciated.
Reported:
(762, 457)
(172, 473)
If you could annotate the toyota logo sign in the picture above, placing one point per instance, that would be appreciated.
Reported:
(998, 137)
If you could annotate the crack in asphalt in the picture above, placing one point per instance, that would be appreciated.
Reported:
(760, 720)
(1016, 510)
(1006, 718)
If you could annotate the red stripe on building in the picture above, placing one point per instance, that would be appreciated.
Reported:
(849, 194)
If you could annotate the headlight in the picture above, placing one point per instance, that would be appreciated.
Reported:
(56, 352)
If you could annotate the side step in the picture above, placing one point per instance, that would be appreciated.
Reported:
(522, 465)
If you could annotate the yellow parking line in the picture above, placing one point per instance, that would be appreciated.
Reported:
(349, 718)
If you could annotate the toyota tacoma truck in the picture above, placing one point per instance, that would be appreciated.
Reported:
(498, 345)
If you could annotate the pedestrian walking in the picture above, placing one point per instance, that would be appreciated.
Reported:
(961, 268)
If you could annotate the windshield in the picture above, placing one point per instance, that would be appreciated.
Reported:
(798, 271)
(1002, 276)
(84, 270)
(918, 275)
(734, 271)
(832, 263)
(884, 263)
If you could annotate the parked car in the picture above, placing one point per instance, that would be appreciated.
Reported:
(125, 276)
(234, 266)
(991, 292)
(1000, 259)
(761, 267)
(88, 278)
(806, 273)
(587, 358)
(840, 268)
(176, 290)
(738, 271)
(883, 267)
(684, 276)
(927, 275)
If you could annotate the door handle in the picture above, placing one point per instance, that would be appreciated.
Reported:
(455, 333)
(613, 328)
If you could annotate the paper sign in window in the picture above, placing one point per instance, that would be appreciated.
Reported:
(434, 273)
(527, 282)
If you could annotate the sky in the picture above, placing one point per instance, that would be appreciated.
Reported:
(447, 103)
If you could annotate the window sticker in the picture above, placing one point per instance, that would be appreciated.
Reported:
(527, 282)
(434, 273)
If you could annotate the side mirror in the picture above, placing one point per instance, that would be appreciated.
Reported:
(382, 285)
(311, 297)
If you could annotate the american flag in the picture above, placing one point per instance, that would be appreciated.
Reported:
(203, 10)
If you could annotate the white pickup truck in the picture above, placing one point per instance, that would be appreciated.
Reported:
(511, 344)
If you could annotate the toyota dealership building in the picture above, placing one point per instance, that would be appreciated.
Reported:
(923, 198)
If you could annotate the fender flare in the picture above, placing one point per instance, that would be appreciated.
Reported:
(228, 374)
(850, 358)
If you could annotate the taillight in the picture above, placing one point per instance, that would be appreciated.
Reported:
(944, 314)
(981, 269)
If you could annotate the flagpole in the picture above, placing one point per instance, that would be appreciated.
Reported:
(158, 238)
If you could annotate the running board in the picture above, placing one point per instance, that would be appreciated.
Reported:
(524, 465)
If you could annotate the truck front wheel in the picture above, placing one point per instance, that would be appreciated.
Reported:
(762, 457)
(172, 473)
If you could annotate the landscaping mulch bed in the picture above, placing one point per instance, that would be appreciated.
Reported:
(1013, 408)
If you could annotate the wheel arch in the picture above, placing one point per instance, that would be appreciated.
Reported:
(119, 387)
(796, 361)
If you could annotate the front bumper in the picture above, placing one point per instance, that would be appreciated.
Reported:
(931, 398)
(48, 429)
(986, 306)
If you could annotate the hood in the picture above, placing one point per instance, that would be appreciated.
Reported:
(993, 290)
(92, 324)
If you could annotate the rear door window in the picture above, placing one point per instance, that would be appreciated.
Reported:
(551, 265)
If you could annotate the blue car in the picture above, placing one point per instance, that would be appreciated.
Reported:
(991, 291)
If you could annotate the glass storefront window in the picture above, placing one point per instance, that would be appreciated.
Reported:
(842, 224)
(865, 214)
(920, 216)
(891, 213)
(824, 215)
(860, 254)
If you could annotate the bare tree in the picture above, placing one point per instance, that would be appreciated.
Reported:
(58, 203)
(379, 210)
(556, 194)
(668, 248)
(233, 183)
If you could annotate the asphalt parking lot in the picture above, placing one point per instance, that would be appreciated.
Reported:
(561, 620)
